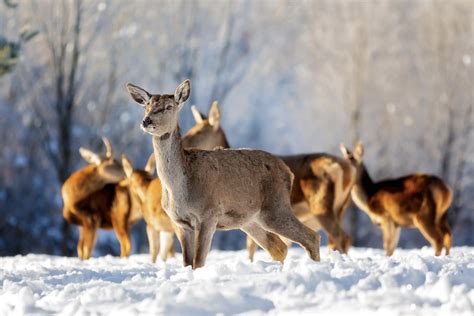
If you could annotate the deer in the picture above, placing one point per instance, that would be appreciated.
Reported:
(416, 200)
(321, 190)
(206, 190)
(206, 134)
(94, 197)
(148, 189)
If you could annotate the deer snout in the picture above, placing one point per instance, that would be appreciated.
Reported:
(146, 121)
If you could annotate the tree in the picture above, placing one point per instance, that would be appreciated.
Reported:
(10, 50)
(448, 28)
(55, 103)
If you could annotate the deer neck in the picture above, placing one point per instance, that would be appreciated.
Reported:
(136, 205)
(225, 143)
(363, 189)
(96, 182)
(141, 190)
(171, 165)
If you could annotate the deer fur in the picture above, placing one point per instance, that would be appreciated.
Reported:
(321, 190)
(320, 195)
(418, 200)
(207, 134)
(222, 189)
(93, 198)
(148, 190)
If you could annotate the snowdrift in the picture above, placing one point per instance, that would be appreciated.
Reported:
(411, 282)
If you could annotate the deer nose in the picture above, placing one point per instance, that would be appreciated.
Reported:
(146, 121)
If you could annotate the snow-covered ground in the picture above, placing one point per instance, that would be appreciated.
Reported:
(412, 282)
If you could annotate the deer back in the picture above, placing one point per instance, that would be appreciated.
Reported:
(244, 173)
(81, 184)
(404, 197)
(320, 168)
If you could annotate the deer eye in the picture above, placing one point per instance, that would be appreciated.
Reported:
(169, 107)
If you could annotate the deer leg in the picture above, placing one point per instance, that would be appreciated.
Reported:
(186, 238)
(346, 239)
(80, 244)
(342, 210)
(391, 235)
(427, 227)
(251, 248)
(265, 239)
(320, 197)
(395, 239)
(125, 243)
(89, 230)
(281, 221)
(121, 231)
(337, 238)
(153, 242)
(83, 217)
(203, 243)
(335, 233)
(171, 250)
(446, 231)
(167, 249)
(331, 243)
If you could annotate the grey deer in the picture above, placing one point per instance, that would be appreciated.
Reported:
(206, 134)
(222, 189)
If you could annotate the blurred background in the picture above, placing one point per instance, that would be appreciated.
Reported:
(291, 77)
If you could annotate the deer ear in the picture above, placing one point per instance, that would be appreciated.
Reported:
(90, 156)
(359, 151)
(150, 164)
(196, 114)
(182, 92)
(108, 147)
(215, 115)
(127, 166)
(138, 94)
(345, 152)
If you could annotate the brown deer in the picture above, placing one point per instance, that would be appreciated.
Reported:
(148, 190)
(418, 200)
(221, 189)
(94, 199)
(321, 190)
(207, 134)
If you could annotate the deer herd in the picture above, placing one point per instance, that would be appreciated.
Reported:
(202, 186)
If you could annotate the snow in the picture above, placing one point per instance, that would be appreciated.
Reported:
(411, 282)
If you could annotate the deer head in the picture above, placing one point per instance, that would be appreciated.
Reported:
(356, 157)
(108, 168)
(161, 111)
(207, 133)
